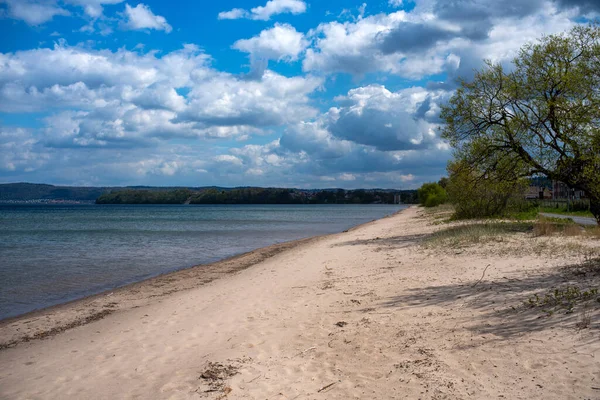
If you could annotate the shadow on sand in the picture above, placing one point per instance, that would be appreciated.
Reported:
(392, 242)
(498, 304)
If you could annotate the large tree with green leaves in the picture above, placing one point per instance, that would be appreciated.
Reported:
(540, 117)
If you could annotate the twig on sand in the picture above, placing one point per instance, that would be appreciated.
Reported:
(326, 387)
(304, 351)
(482, 276)
(255, 378)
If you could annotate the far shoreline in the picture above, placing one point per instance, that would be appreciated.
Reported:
(67, 315)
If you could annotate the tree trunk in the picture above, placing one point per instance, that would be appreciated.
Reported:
(595, 207)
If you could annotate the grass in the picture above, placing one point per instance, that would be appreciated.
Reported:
(547, 226)
(593, 231)
(477, 233)
(440, 214)
(528, 215)
(563, 211)
(565, 298)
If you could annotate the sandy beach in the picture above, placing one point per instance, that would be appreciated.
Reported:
(378, 312)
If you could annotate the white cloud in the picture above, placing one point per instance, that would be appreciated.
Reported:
(93, 8)
(235, 13)
(141, 17)
(351, 46)
(280, 43)
(124, 98)
(264, 13)
(227, 158)
(431, 38)
(19, 151)
(34, 12)
(37, 12)
(112, 116)
(395, 3)
(271, 101)
(374, 116)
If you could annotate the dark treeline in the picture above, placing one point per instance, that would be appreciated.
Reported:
(33, 191)
(256, 196)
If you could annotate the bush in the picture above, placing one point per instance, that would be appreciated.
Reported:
(476, 195)
(431, 195)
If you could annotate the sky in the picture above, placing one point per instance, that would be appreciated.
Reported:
(277, 93)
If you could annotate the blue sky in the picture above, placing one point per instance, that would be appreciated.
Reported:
(294, 93)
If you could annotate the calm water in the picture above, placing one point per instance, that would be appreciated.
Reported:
(52, 254)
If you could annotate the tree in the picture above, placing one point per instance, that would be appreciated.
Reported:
(478, 195)
(431, 195)
(542, 117)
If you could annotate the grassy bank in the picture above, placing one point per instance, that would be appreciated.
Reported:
(563, 211)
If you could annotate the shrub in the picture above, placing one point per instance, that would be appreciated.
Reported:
(477, 195)
(431, 195)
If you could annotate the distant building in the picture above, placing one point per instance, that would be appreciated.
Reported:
(535, 192)
(561, 191)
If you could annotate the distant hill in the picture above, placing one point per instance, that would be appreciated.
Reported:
(32, 192)
(41, 192)
(255, 195)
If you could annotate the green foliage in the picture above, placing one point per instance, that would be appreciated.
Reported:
(177, 196)
(443, 182)
(526, 214)
(468, 234)
(32, 191)
(563, 211)
(540, 118)
(565, 298)
(247, 196)
(431, 195)
(476, 194)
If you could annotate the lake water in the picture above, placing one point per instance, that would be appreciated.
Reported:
(51, 254)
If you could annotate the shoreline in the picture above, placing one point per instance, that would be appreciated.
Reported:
(61, 317)
(401, 307)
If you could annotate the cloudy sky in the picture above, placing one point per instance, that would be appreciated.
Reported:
(295, 93)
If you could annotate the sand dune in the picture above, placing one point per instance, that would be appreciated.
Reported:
(368, 313)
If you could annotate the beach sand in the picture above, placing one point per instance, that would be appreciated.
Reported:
(370, 313)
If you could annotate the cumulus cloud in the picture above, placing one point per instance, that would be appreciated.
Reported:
(351, 47)
(281, 43)
(427, 40)
(45, 78)
(37, 12)
(147, 117)
(128, 99)
(141, 17)
(264, 13)
(20, 152)
(34, 12)
(93, 8)
(376, 117)
(385, 133)
(271, 101)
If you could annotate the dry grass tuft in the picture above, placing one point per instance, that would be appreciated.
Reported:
(585, 317)
(593, 231)
(441, 214)
(463, 235)
(549, 226)
(544, 227)
(573, 230)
